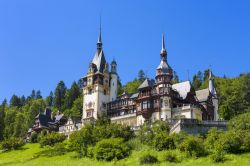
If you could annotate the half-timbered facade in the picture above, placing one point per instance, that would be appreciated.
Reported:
(156, 99)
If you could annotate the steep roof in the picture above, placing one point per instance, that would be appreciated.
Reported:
(164, 66)
(43, 120)
(202, 95)
(183, 88)
(135, 95)
(99, 60)
(147, 83)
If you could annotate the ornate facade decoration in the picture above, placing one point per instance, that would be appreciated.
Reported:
(157, 99)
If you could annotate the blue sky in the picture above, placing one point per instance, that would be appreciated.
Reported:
(44, 41)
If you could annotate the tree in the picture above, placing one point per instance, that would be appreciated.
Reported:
(38, 95)
(206, 75)
(176, 78)
(240, 122)
(20, 128)
(141, 75)
(36, 106)
(234, 95)
(33, 94)
(9, 121)
(119, 87)
(50, 99)
(15, 101)
(2, 115)
(71, 95)
(22, 100)
(131, 87)
(60, 95)
(197, 80)
(76, 110)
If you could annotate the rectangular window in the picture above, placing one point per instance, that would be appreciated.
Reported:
(161, 103)
(145, 104)
(88, 114)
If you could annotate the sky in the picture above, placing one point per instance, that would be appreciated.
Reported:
(45, 41)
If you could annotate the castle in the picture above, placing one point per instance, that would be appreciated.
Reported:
(157, 99)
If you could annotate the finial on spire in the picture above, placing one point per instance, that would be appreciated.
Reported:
(210, 77)
(163, 49)
(99, 41)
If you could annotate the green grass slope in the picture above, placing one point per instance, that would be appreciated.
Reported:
(27, 156)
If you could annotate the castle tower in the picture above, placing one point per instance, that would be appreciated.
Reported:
(113, 81)
(213, 92)
(164, 75)
(96, 89)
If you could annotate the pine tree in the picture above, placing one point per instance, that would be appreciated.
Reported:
(38, 94)
(176, 78)
(33, 94)
(197, 80)
(15, 101)
(50, 99)
(22, 100)
(2, 114)
(141, 75)
(60, 92)
(71, 95)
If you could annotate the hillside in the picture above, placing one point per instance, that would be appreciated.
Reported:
(26, 156)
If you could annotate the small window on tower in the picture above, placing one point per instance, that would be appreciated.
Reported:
(104, 92)
(88, 114)
(90, 91)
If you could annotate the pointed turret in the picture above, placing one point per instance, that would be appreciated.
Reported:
(211, 86)
(163, 49)
(212, 91)
(164, 68)
(99, 58)
(99, 40)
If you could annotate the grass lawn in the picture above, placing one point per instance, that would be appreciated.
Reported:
(26, 156)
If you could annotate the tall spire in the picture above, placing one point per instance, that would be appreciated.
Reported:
(99, 41)
(163, 49)
(211, 86)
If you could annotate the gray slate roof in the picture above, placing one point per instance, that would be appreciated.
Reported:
(99, 60)
(164, 66)
(135, 95)
(202, 95)
(147, 83)
(183, 88)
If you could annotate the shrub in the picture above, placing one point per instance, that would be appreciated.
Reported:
(80, 140)
(112, 130)
(171, 157)
(178, 138)
(109, 149)
(229, 142)
(34, 137)
(163, 141)
(148, 159)
(136, 144)
(51, 139)
(12, 144)
(90, 152)
(240, 122)
(245, 136)
(147, 131)
(57, 150)
(212, 136)
(218, 156)
(146, 134)
(193, 146)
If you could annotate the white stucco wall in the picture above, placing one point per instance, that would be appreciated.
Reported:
(113, 87)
